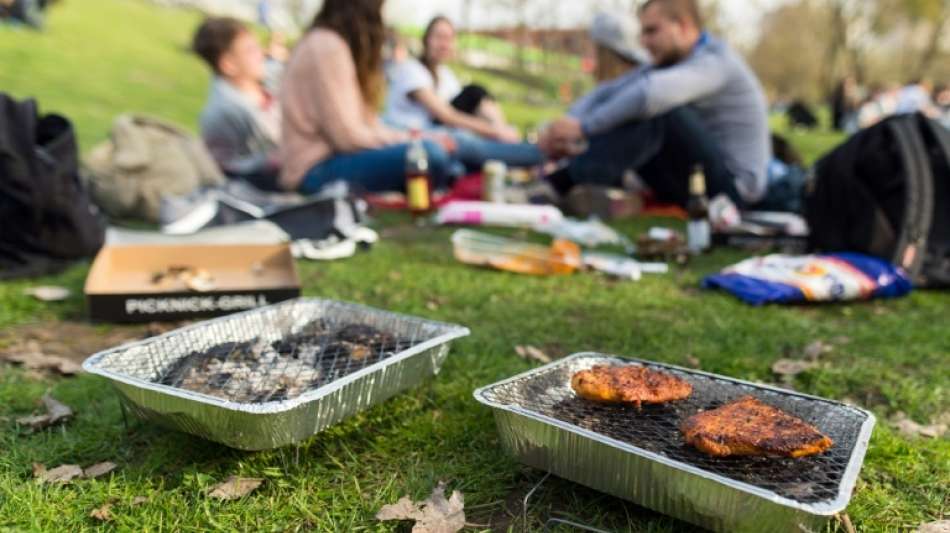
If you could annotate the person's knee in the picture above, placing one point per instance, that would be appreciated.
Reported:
(439, 159)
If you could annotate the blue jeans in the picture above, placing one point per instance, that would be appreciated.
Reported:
(382, 169)
(473, 151)
(663, 150)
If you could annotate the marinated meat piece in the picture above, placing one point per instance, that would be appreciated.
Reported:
(749, 427)
(629, 384)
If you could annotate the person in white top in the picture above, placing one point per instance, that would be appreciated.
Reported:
(425, 93)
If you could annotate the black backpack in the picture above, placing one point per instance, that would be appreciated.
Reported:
(46, 219)
(886, 192)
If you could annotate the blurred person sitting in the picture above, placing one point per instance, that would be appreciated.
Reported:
(28, 12)
(241, 120)
(616, 50)
(425, 94)
(917, 97)
(845, 101)
(332, 87)
(699, 103)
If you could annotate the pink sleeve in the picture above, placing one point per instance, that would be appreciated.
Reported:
(339, 102)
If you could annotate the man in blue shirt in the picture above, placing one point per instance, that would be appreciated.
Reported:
(699, 103)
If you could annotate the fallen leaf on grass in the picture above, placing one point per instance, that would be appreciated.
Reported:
(908, 428)
(56, 412)
(434, 515)
(235, 488)
(693, 361)
(816, 349)
(432, 305)
(941, 526)
(98, 470)
(48, 294)
(791, 367)
(139, 500)
(32, 358)
(103, 513)
(60, 474)
(533, 354)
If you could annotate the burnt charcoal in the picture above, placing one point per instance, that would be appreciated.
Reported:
(258, 371)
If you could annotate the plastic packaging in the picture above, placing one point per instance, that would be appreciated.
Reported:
(481, 249)
(503, 215)
(622, 267)
(590, 233)
(811, 278)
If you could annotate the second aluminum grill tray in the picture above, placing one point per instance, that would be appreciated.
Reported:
(641, 456)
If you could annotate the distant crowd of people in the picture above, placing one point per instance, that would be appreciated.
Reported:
(670, 96)
(855, 108)
(26, 12)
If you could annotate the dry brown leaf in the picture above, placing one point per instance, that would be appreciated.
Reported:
(48, 294)
(693, 361)
(792, 367)
(908, 428)
(32, 358)
(60, 474)
(99, 470)
(432, 305)
(815, 350)
(56, 412)
(940, 526)
(533, 353)
(103, 513)
(139, 500)
(434, 515)
(235, 488)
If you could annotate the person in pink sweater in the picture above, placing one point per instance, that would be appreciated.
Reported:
(331, 90)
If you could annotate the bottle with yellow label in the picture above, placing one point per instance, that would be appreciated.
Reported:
(418, 179)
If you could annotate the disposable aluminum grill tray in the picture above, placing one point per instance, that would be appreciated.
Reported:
(276, 375)
(641, 456)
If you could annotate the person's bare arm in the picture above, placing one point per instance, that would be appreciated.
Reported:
(448, 115)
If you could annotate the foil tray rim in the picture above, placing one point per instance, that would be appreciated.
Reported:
(821, 508)
(452, 332)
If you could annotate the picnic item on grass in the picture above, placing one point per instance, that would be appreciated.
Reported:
(48, 220)
(481, 249)
(884, 193)
(145, 160)
(811, 278)
(503, 215)
(274, 376)
(639, 454)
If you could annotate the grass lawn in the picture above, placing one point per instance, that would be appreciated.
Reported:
(101, 57)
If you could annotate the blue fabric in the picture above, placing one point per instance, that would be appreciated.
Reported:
(473, 151)
(890, 282)
(786, 189)
(379, 170)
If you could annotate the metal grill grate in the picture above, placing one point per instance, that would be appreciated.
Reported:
(656, 428)
(270, 356)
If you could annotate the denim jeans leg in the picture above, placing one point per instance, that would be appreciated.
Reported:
(382, 169)
(474, 151)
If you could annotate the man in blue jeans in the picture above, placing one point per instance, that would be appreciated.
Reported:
(699, 103)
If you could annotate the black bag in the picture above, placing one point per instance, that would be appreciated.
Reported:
(47, 219)
(886, 192)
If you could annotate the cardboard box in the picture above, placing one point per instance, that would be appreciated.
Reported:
(122, 285)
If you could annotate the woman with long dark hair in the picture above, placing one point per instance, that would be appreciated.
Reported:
(332, 87)
(425, 94)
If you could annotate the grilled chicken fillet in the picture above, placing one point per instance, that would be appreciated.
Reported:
(629, 384)
(750, 427)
